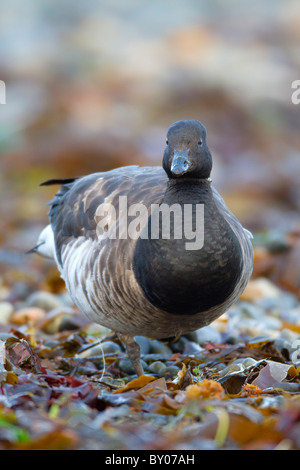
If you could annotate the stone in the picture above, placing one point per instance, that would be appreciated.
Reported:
(144, 344)
(287, 386)
(28, 315)
(208, 334)
(156, 366)
(127, 366)
(6, 310)
(109, 347)
(260, 288)
(157, 347)
(169, 372)
(44, 300)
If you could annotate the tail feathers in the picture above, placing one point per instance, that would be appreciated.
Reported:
(45, 244)
(34, 249)
(59, 181)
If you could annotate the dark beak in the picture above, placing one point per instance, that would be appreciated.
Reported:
(180, 163)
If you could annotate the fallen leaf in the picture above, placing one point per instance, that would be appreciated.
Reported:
(135, 384)
(159, 384)
(272, 373)
(180, 376)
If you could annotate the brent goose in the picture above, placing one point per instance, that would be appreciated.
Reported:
(123, 268)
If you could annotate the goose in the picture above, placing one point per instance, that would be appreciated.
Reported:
(125, 264)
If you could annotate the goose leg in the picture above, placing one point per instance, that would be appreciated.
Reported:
(133, 351)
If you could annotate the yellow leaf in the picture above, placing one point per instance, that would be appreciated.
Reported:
(135, 384)
(180, 376)
(11, 378)
(159, 385)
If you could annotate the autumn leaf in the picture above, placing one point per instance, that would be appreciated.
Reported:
(135, 384)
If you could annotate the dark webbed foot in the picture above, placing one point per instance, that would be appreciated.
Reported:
(133, 351)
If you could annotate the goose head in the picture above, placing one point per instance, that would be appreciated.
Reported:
(186, 154)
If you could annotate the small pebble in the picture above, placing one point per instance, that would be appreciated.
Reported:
(110, 347)
(101, 349)
(144, 344)
(66, 300)
(246, 310)
(260, 288)
(179, 345)
(285, 302)
(188, 347)
(283, 344)
(169, 372)
(44, 300)
(156, 366)
(208, 334)
(127, 367)
(27, 315)
(157, 347)
(244, 322)
(94, 329)
(6, 309)
(288, 335)
(287, 386)
(192, 349)
(291, 316)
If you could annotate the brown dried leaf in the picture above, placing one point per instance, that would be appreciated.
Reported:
(135, 384)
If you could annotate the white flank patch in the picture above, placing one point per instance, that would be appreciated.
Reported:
(74, 272)
(45, 243)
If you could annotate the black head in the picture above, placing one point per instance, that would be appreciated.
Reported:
(186, 153)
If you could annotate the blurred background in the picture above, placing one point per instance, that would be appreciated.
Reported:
(94, 85)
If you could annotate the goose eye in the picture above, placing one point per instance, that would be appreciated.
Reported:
(167, 142)
(200, 142)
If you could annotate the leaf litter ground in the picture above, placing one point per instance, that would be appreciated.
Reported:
(67, 383)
